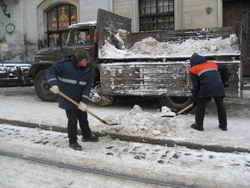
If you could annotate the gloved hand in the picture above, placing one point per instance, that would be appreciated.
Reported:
(54, 89)
(82, 106)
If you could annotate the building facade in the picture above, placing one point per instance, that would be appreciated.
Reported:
(27, 25)
(35, 23)
(170, 14)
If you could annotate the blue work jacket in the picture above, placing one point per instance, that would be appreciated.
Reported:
(206, 78)
(73, 81)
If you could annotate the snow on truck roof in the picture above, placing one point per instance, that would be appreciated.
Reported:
(83, 24)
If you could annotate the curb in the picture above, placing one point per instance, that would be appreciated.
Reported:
(166, 142)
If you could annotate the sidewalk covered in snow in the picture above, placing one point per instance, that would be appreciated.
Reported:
(21, 104)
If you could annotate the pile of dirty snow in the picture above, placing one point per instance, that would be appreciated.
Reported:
(150, 47)
(139, 122)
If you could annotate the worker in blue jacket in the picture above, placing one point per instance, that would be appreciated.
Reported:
(207, 83)
(73, 76)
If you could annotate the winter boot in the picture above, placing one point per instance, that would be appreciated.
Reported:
(90, 138)
(75, 146)
(196, 127)
(223, 128)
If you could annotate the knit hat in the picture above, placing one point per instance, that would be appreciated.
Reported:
(197, 59)
(79, 55)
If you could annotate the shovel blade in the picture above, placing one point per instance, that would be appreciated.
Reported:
(109, 123)
(168, 115)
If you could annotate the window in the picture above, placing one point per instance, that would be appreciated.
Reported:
(78, 37)
(58, 20)
(156, 15)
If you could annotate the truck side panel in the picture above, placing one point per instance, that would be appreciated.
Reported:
(155, 79)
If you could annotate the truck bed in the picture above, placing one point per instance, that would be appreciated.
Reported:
(156, 63)
(115, 41)
(170, 78)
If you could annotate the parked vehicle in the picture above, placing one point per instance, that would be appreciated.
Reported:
(162, 76)
(14, 74)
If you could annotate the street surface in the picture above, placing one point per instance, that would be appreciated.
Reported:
(23, 174)
(157, 164)
(42, 158)
(22, 104)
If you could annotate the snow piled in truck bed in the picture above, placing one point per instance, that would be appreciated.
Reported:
(150, 47)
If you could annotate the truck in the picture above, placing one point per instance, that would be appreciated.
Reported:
(125, 65)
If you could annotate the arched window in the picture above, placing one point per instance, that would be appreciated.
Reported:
(58, 20)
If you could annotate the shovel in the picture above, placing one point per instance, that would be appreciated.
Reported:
(185, 109)
(91, 113)
(181, 111)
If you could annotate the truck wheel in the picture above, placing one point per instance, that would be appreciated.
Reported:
(98, 98)
(42, 87)
(175, 103)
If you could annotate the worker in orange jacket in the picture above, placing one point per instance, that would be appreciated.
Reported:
(207, 83)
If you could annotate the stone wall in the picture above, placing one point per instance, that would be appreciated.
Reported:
(29, 19)
(11, 34)
(128, 8)
(198, 14)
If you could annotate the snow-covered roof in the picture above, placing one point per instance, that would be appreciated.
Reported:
(83, 24)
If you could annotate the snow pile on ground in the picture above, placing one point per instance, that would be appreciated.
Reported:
(150, 47)
(138, 122)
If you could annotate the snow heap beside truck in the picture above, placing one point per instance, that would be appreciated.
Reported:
(146, 64)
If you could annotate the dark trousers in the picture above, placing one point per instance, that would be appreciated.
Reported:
(201, 103)
(73, 116)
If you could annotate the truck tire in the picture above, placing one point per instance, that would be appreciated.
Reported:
(98, 98)
(42, 87)
(175, 103)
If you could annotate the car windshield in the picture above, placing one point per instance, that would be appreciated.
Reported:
(79, 37)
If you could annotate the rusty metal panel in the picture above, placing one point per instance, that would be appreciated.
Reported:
(245, 43)
(155, 79)
(234, 88)
(108, 25)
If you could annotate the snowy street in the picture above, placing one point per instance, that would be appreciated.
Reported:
(22, 104)
(33, 174)
(152, 94)
(174, 166)
(30, 174)
(154, 164)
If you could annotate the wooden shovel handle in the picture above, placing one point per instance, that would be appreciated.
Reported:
(186, 108)
(77, 104)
